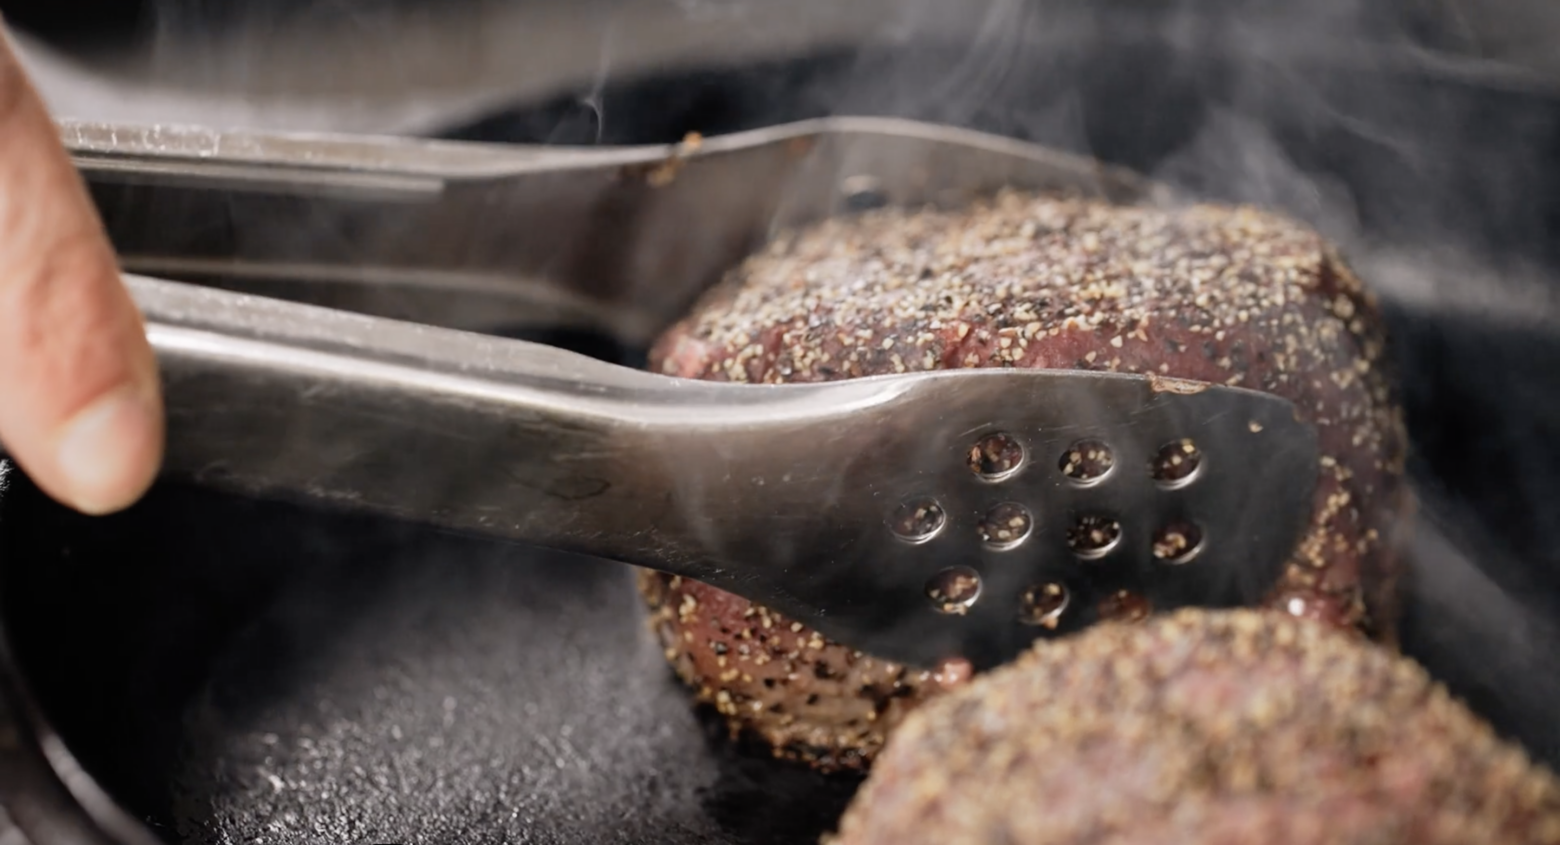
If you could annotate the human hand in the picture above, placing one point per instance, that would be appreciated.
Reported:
(80, 407)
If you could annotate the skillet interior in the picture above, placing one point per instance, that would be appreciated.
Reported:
(236, 671)
(248, 672)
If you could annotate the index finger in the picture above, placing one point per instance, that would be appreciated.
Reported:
(80, 409)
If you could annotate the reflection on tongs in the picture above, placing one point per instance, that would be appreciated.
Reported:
(503, 238)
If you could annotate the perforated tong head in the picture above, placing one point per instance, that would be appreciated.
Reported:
(917, 517)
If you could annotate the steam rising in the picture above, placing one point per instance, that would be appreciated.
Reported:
(1233, 158)
(1493, 642)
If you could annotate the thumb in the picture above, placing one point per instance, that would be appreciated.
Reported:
(80, 408)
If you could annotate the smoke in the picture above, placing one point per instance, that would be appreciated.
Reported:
(1492, 639)
(1372, 121)
(981, 72)
(1233, 158)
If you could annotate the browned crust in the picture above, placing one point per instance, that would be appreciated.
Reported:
(808, 698)
(1208, 727)
(1226, 295)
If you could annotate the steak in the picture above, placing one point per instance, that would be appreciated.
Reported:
(1206, 728)
(1228, 295)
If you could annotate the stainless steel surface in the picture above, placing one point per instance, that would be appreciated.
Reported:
(497, 238)
(784, 494)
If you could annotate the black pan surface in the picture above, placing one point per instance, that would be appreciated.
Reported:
(241, 672)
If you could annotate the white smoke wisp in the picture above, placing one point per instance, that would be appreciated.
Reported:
(1233, 158)
(1492, 643)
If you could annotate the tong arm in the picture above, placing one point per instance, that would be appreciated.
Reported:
(503, 239)
(504, 437)
(784, 494)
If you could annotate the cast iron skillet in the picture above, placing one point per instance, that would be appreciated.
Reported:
(238, 671)
(235, 671)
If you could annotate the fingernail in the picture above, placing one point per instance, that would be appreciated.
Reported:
(109, 450)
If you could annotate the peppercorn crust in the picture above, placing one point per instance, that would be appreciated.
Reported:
(1233, 296)
(1208, 727)
(811, 699)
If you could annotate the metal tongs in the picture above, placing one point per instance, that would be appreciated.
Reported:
(333, 338)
